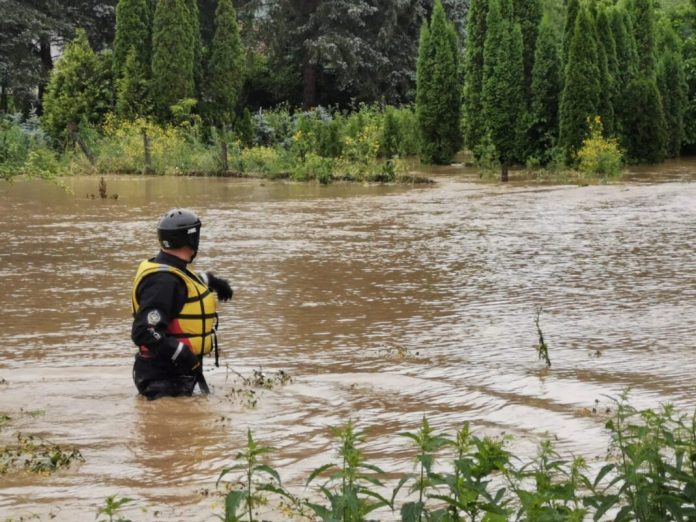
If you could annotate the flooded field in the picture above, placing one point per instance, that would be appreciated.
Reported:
(383, 303)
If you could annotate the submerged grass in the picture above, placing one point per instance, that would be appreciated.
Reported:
(37, 455)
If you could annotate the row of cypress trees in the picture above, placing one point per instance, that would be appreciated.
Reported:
(161, 67)
(529, 88)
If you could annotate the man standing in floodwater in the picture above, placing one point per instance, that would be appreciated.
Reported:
(174, 312)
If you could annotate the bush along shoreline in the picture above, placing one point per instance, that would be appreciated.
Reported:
(369, 144)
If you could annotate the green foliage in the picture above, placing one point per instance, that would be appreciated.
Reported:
(34, 454)
(546, 87)
(503, 93)
(671, 81)
(225, 67)
(610, 77)
(627, 57)
(132, 89)
(473, 73)
(424, 480)
(541, 347)
(133, 32)
(350, 486)
(599, 155)
(643, 15)
(572, 8)
(79, 89)
(549, 488)
(438, 99)
(528, 14)
(172, 57)
(249, 468)
(111, 508)
(645, 127)
(581, 92)
(652, 475)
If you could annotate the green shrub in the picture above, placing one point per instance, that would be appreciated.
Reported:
(599, 155)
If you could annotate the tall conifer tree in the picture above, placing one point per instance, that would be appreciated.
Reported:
(572, 8)
(225, 68)
(605, 106)
(438, 92)
(528, 14)
(671, 80)
(580, 98)
(133, 31)
(546, 89)
(503, 92)
(473, 72)
(644, 33)
(197, 39)
(608, 44)
(132, 92)
(172, 57)
(644, 125)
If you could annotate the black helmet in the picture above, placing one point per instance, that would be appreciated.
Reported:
(179, 227)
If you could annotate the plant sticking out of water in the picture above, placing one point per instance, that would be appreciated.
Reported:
(37, 455)
(4, 419)
(428, 443)
(240, 503)
(349, 488)
(246, 391)
(111, 508)
(541, 348)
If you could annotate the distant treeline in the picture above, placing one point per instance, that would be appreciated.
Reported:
(514, 81)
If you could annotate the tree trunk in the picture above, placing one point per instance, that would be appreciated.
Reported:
(504, 172)
(223, 150)
(72, 128)
(46, 66)
(146, 152)
(309, 77)
(3, 99)
(309, 69)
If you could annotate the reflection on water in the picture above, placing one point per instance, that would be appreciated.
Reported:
(383, 303)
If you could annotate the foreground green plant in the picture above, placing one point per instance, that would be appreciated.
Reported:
(111, 508)
(240, 503)
(349, 487)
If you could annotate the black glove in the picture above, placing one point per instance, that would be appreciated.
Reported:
(184, 359)
(220, 286)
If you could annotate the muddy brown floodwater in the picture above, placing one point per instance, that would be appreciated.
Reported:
(383, 304)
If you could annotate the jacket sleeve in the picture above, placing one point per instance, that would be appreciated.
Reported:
(161, 297)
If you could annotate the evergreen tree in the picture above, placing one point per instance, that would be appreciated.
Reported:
(644, 33)
(79, 89)
(645, 142)
(225, 68)
(503, 92)
(133, 31)
(132, 92)
(607, 43)
(528, 14)
(605, 107)
(438, 98)
(626, 56)
(473, 73)
(196, 37)
(572, 8)
(546, 88)
(671, 81)
(581, 92)
(172, 57)
(646, 135)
